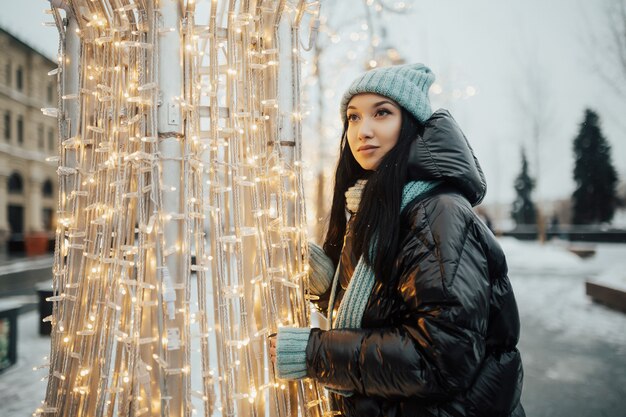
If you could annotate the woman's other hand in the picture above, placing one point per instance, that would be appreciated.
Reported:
(272, 339)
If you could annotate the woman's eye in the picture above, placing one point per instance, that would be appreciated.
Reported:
(382, 112)
(352, 117)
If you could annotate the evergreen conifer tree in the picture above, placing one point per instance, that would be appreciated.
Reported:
(595, 197)
(523, 207)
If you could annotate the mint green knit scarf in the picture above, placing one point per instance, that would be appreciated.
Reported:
(357, 294)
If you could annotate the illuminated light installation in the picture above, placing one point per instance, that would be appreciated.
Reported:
(181, 241)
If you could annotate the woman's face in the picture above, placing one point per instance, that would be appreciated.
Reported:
(374, 123)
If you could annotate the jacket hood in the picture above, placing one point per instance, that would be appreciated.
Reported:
(443, 153)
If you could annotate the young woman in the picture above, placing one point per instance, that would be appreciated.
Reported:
(423, 317)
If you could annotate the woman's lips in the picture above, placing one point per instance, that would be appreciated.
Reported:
(366, 148)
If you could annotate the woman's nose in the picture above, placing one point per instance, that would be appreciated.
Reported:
(365, 130)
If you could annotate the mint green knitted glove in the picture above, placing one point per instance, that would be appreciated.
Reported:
(322, 270)
(291, 345)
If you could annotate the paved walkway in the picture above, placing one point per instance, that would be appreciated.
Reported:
(19, 276)
(574, 351)
(22, 388)
(571, 377)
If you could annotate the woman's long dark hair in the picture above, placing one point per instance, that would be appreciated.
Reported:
(379, 218)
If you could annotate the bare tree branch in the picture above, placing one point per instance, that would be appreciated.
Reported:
(607, 47)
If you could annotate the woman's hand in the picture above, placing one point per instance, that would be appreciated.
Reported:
(272, 339)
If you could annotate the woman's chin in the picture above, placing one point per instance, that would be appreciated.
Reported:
(369, 165)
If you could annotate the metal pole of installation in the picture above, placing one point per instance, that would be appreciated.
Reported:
(71, 81)
(172, 270)
(288, 134)
(69, 127)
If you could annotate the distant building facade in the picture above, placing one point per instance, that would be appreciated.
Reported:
(28, 183)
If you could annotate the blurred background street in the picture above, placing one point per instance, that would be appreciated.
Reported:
(574, 350)
(539, 89)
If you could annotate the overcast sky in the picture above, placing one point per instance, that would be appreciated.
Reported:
(501, 47)
(497, 46)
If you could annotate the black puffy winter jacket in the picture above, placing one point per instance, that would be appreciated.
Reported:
(438, 338)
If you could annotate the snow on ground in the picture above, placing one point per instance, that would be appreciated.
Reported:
(21, 388)
(26, 264)
(549, 285)
(552, 258)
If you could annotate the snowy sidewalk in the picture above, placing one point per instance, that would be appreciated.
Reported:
(12, 266)
(22, 388)
(20, 276)
(549, 284)
(573, 350)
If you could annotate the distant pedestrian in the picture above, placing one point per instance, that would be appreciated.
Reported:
(554, 224)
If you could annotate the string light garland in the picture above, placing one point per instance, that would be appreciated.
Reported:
(181, 237)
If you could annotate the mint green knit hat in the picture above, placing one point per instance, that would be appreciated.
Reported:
(406, 84)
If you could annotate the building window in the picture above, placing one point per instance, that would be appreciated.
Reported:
(7, 73)
(50, 96)
(7, 126)
(20, 130)
(16, 185)
(46, 189)
(19, 78)
(40, 139)
(48, 219)
(51, 142)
